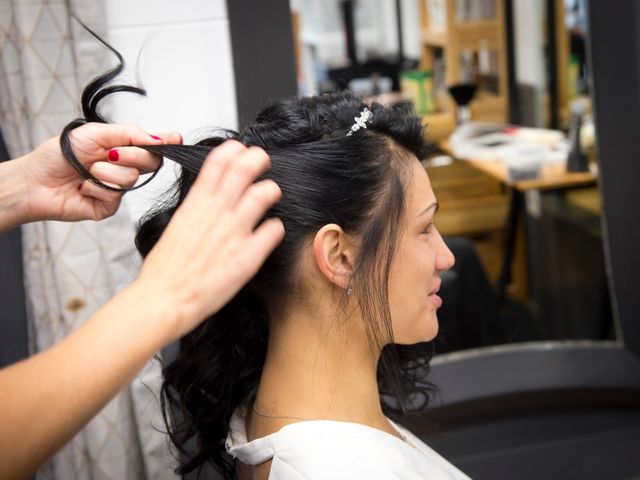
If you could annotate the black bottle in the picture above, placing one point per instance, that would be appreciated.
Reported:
(577, 160)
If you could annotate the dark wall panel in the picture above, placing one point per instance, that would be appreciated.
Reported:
(263, 56)
(13, 316)
(614, 46)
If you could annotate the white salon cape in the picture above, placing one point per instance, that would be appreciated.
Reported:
(324, 449)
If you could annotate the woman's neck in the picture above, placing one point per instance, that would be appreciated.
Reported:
(318, 366)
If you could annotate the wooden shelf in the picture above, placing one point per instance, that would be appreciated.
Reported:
(474, 216)
(588, 199)
(456, 37)
(489, 107)
(478, 25)
(434, 39)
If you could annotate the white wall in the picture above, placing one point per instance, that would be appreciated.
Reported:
(322, 38)
(181, 53)
(411, 29)
(528, 18)
(375, 22)
(529, 51)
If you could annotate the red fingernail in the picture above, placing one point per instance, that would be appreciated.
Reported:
(114, 155)
(155, 137)
(79, 186)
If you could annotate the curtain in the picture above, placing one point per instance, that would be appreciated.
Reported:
(71, 269)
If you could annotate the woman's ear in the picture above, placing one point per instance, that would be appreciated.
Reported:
(334, 255)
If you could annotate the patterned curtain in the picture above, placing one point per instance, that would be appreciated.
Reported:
(71, 269)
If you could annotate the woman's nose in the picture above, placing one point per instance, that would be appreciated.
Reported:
(445, 258)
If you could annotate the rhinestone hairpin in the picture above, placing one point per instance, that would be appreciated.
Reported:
(360, 121)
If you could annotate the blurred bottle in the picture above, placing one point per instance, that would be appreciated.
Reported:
(577, 160)
(464, 91)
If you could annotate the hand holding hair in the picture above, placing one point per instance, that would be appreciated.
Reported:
(212, 246)
(44, 186)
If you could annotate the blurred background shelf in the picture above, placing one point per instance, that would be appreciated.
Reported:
(445, 39)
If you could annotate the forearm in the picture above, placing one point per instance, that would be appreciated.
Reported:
(46, 399)
(12, 195)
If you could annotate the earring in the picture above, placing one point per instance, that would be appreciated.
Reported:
(349, 290)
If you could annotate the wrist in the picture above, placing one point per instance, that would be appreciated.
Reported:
(13, 192)
(163, 314)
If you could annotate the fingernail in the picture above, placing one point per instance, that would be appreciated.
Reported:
(114, 155)
(79, 186)
(113, 185)
(156, 137)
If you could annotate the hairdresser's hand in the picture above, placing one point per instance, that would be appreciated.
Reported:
(55, 191)
(212, 246)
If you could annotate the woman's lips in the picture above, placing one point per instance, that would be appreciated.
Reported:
(433, 295)
(435, 298)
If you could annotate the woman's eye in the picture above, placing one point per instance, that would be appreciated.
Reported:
(428, 228)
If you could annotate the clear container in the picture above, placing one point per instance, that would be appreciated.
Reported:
(524, 162)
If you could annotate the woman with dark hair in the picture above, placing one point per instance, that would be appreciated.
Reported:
(288, 377)
(298, 375)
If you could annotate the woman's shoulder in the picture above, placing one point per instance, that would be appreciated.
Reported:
(337, 450)
(319, 465)
(322, 449)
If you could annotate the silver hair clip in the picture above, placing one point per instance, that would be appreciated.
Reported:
(361, 121)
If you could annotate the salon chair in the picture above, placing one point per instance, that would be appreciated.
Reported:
(549, 410)
(528, 410)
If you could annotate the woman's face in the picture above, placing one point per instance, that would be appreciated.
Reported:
(421, 256)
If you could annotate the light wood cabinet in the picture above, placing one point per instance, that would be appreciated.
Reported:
(447, 33)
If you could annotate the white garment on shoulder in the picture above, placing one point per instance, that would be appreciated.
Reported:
(325, 449)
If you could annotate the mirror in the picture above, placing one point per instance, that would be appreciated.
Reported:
(530, 263)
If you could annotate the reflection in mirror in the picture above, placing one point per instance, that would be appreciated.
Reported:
(360, 45)
(503, 89)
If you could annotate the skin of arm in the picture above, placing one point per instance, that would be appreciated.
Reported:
(209, 250)
(12, 190)
(47, 398)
